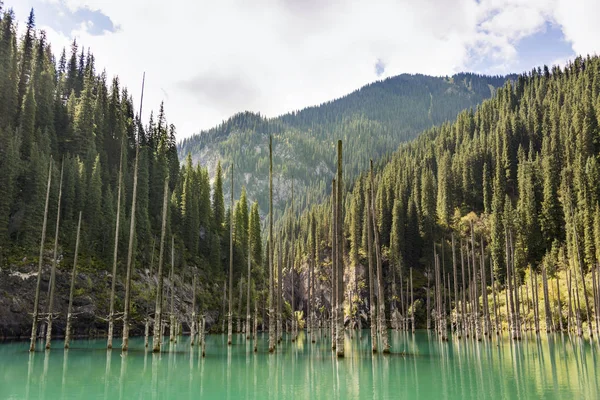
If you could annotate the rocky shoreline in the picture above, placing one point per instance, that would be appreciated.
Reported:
(90, 302)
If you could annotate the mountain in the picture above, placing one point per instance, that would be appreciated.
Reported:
(515, 182)
(372, 121)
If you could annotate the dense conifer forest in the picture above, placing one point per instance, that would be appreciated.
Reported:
(510, 187)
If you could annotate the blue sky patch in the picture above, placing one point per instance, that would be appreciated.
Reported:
(61, 19)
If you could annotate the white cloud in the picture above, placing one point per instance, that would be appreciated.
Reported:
(208, 60)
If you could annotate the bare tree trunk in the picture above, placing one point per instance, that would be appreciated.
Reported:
(578, 307)
(463, 321)
(238, 325)
(582, 276)
(229, 317)
(340, 256)
(534, 301)
(372, 305)
(456, 326)
(130, 262)
(412, 302)
(559, 305)
(173, 321)
(111, 313)
(402, 321)
(570, 314)
(476, 294)
(496, 321)
(509, 303)
(546, 299)
(516, 287)
(69, 310)
(248, 317)
(272, 339)
(484, 294)
(334, 269)
(279, 290)
(292, 261)
(312, 288)
(224, 305)
(193, 323)
(54, 260)
(203, 335)
(427, 306)
(382, 323)
(146, 331)
(157, 337)
(596, 299)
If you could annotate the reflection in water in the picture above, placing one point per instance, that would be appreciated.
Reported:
(421, 367)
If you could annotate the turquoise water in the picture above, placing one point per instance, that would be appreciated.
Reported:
(555, 367)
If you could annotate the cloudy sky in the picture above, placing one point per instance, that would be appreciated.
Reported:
(210, 59)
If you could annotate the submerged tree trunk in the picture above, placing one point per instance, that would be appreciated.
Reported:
(230, 316)
(272, 339)
(54, 260)
(334, 269)
(69, 310)
(412, 302)
(546, 299)
(172, 320)
(312, 286)
(279, 290)
(484, 294)
(248, 318)
(193, 322)
(111, 313)
(463, 307)
(582, 276)
(382, 323)
(456, 326)
(40, 264)
(372, 305)
(340, 257)
(157, 337)
(130, 261)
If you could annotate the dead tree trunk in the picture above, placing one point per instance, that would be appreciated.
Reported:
(291, 255)
(333, 263)
(229, 317)
(476, 294)
(546, 299)
(111, 313)
(456, 319)
(463, 321)
(582, 276)
(412, 302)
(248, 317)
(279, 290)
(340, 256)
(372, 306)
(193, 322)
(157, 337)
(172, 320)
(272, 339)
(54, 261)
(130, 262)
(69, 310)
(382, 323)
(484, 294)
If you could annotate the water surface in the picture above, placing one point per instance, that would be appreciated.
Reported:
(420, 367)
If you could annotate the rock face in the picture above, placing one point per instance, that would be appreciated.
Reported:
(90, 301)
